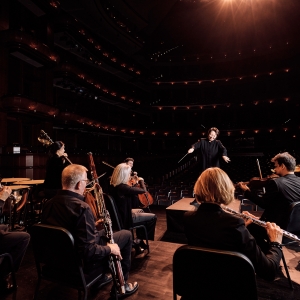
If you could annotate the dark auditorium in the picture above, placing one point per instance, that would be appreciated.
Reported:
(149, 149)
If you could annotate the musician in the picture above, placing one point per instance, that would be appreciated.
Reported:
(123, 195)
(129, 161)
(55, 165)
(210, 226)
(15, 243)
(68, 210)
(134, 182)
(279, 194)
(211, 150)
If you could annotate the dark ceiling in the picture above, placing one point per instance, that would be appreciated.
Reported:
(176, 66)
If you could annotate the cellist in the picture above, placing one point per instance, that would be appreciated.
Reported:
(123, 193)
(133, 182)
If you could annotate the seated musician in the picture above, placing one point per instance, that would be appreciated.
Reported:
(210, 226)
(279, 194)
(134, 182)
(68, 210)
(15, 243)
(123, 193)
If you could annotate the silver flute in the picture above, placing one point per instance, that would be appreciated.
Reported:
(260, 223)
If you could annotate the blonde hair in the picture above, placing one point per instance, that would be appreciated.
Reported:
(72, 174)
(214, 185)
(120, 174)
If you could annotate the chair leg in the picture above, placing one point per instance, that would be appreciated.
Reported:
(287, 271)
(36, 292)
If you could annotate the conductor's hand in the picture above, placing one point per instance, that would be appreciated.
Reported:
(226, 158)
(115, 250)
(191, 150)
(274, 232)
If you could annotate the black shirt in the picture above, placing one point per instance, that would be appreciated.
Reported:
(211, 152)
(68, 210)
(54, 168)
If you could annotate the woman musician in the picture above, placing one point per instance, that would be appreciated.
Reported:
(124, 196)
(56, 162)
(140, 200)
(210, 226)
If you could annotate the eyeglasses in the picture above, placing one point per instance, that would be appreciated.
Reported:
(86, 180)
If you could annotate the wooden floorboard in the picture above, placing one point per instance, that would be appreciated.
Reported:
(153, 273)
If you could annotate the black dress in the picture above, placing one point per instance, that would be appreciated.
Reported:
(210, 226)
(54, 168)
(211, 152)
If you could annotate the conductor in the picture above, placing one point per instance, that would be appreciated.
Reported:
(211, 150)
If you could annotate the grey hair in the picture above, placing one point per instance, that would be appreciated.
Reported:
(121, 174)
(72, 174)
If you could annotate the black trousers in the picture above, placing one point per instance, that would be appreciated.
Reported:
(15, 243)
(124, 240)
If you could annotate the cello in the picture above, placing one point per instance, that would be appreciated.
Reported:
(146, 199)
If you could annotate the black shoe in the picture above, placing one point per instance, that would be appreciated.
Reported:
(138, 249)
(105, 279)
(129, 290)
(144, 245)
(6, 284)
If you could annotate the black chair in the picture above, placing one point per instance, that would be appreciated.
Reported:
(293, 226)
(293, 222)
(116, 222)
(203, 273)
(56, 260)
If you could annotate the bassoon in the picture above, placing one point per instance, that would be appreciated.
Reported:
(107, 224)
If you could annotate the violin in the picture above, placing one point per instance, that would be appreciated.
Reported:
(256, 183)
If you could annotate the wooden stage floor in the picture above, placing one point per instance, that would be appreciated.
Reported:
(153, 273)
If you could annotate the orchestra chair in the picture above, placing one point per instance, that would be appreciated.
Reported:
(7, 266)
(293, 222)
(56, 260)
(203, 273)
(117, 222)
(163, 200)
(293, 226)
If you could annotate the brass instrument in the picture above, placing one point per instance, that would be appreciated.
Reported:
(46, 140)
(104, 215)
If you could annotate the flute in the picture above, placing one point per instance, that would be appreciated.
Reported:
(260, 223)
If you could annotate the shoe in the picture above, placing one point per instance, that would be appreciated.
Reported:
(105, 279)
(138, 250)
(6, 284)
(129, 290)
(144, 245)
